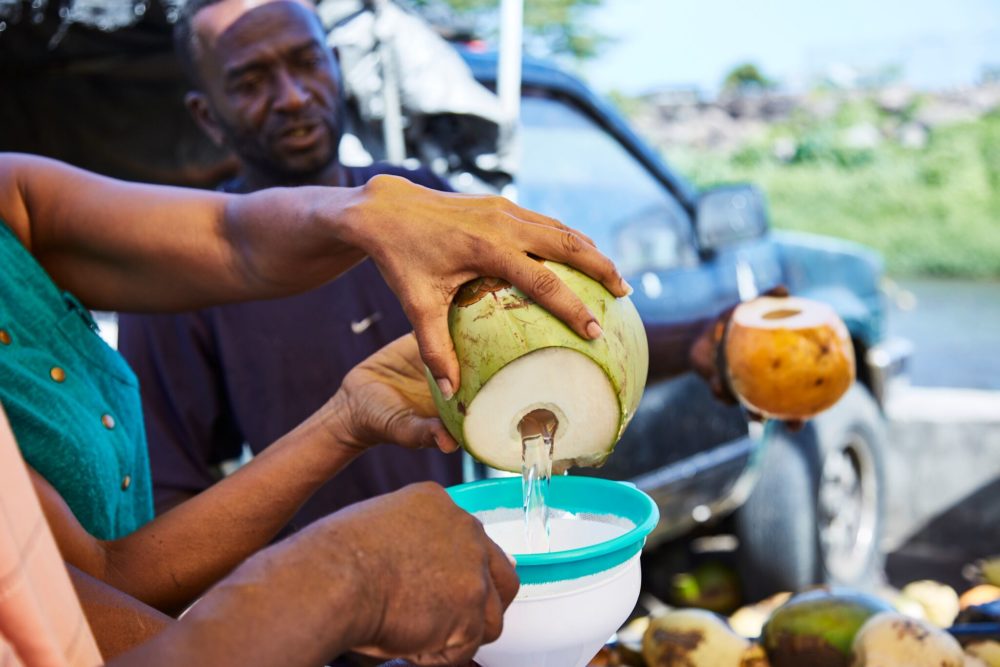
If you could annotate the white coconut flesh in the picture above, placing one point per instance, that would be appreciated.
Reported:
(567, 383)
(783, 313)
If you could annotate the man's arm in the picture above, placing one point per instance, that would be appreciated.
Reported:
(407, 574)
(128, 246)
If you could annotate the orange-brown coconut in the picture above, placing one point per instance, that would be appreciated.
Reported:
(789, 357)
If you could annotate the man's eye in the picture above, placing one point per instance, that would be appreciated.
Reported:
(311, 59)
(247, 84)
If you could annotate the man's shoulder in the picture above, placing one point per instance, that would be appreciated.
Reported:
(421, 175)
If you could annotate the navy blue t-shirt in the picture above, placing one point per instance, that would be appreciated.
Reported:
(251, 372)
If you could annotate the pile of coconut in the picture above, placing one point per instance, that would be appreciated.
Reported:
(827, 627)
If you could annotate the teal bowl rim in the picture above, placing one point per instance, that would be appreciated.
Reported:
(570, 563)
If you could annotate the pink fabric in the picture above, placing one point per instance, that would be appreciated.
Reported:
(41, 622)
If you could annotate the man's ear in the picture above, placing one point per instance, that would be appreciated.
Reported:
(200, 109)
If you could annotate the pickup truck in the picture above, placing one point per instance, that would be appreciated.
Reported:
(804, 507)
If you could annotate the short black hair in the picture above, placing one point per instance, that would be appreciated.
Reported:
(184, 39)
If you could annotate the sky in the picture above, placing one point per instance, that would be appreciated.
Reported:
(667, 43)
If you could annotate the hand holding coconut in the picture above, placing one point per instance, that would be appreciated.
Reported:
(781, 357)
(445, 240)
(385, 398)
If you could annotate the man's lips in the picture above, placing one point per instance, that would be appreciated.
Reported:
(301, 136)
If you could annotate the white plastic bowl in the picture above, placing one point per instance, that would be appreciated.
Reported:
(571, 600)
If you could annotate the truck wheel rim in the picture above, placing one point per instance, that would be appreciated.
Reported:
(848, 509)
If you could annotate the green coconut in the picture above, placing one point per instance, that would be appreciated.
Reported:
(516, 357)
(818, 627)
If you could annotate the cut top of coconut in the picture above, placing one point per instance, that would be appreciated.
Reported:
(567, 383)
(789, 312)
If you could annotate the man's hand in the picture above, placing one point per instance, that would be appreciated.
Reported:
(709, 360)
(405, 575)
(436, 586)
(385, 398)
(427, 244)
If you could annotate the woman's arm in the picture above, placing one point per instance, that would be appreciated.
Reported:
(171, 560)
(119, 622)
(128, 246)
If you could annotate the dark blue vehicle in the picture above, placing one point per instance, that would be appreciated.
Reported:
(804, 507)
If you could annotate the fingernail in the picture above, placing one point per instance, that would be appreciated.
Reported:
(511, 559)
(444, 384)
(594, 330)
(628, 288)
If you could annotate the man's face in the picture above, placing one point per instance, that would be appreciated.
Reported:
(272, 86)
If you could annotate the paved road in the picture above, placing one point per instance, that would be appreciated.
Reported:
(955, 326)
(944, 465)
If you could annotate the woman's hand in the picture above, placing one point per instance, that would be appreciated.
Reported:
(427, 244)
(386, 398)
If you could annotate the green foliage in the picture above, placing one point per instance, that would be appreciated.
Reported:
(626, 104)
(746, 77)
(933, 211)
(556, 26)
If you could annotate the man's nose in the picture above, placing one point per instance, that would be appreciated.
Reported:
(291, 93)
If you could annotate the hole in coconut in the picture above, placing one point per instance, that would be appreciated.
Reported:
(538, 423)
(781, 314)
(562, 381)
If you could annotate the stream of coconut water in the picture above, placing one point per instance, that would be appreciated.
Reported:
(538, 430)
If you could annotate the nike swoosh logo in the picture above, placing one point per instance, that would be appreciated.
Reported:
(361, 326)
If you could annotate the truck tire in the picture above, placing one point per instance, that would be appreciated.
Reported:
(815, 515)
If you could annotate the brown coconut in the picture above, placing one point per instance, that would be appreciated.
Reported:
(788, 358)
(891, 639)
(697, 638)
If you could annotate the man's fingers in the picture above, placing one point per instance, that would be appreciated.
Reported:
(569, 247)
(503, 574)
(443, 439)
(437, 349)
(460, 646)
(777, 290)
(418, 432)
(492, 618)
(541, 219)
(548, 291)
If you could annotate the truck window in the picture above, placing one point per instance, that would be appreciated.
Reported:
(573, 170)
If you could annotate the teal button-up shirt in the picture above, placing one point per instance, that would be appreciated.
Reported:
(72, 401)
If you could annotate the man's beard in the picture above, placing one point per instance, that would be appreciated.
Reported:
(280, 169)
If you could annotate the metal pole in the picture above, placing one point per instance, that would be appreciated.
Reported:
(392, 119)
(509, 86)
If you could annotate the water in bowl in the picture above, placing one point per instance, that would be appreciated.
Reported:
(566, 530)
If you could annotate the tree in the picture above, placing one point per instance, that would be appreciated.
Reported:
(551, 27)
(746, 77)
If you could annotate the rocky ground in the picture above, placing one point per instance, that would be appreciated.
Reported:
(682, 119)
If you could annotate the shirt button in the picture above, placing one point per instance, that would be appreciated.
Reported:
(108, 421)
(126, 482)
(57, 374)
(4, 337)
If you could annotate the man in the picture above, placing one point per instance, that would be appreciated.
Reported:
(268, 88)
